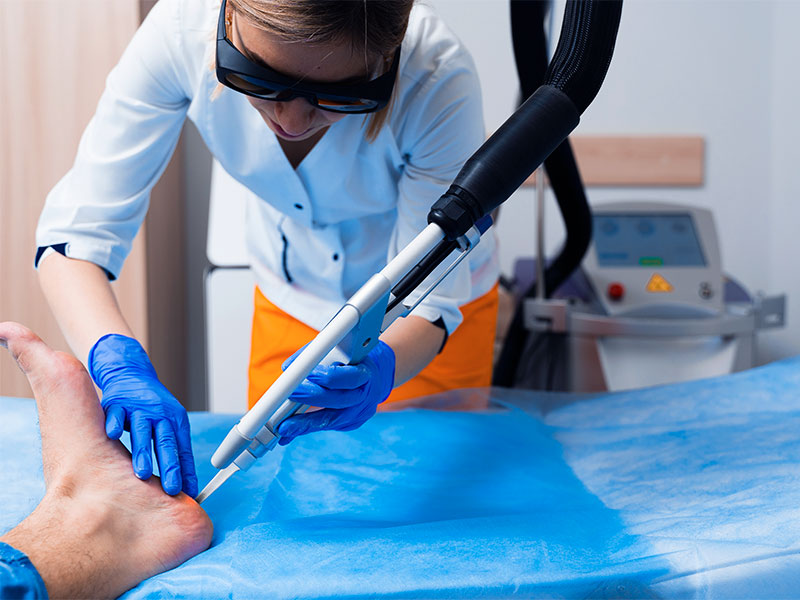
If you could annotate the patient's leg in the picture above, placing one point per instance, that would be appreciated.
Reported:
(98, 531)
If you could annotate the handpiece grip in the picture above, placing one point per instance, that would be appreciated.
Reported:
(231, 447)
(235, 444)
(505, 160)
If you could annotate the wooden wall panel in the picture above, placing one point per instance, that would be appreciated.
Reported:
(166, 273)
(166, 280)
(639, 160)
(55, 56)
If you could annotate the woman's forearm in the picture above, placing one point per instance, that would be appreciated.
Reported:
(82, 301)
(415, 343)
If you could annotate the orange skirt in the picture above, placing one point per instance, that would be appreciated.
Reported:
(466, 360)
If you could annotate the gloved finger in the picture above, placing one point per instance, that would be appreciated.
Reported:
(141, 443)
(115, 421)
(186, 457)
(307, 393)
(320, 420)
(167, 455)
(292, 358)
(357, 420)
(284, 440)
(340, 377)
(315, 395)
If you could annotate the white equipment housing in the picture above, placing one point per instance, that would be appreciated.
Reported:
(650, 304)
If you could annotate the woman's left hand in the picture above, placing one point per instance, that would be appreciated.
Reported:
(348, 394)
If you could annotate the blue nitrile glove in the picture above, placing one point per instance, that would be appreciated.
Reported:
(135, 400)
(348, 394)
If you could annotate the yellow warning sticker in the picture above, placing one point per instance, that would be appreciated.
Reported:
(658, 284)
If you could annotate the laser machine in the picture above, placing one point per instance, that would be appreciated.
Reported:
(649, 305)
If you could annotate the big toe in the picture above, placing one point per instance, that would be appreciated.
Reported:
(44, 367)
(25, 346)
(67, 401)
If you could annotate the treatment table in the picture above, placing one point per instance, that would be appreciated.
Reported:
(682, 491)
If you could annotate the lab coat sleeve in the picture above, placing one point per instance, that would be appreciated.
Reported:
(444, 126)
(97, 208)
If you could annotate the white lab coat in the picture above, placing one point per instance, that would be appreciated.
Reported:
(315, 233)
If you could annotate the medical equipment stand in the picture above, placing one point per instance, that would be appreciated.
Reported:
(540, 233)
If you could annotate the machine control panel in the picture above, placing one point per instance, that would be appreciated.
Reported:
(647, 240)
(655, 257)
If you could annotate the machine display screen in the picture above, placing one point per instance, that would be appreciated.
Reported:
(647, 240)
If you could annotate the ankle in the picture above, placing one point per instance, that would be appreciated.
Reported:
(63, 550)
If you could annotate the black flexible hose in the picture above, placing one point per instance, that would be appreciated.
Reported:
(570, 195)
(529, 40)
(508, 157)
(530, 51)
(584, 50)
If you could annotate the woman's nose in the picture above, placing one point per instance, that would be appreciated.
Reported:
(294, 116)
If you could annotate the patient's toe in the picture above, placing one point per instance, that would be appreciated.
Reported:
(47, 370)
(21, 342)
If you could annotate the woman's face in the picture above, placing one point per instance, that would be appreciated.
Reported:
(297, 119)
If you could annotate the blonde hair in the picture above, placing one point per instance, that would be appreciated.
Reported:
(374, 27)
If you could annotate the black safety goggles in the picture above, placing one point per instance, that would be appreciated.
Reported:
(239, 73)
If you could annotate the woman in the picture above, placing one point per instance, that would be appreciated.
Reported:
(346, 120)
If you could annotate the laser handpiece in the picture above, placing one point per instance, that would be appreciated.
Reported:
(348, 338)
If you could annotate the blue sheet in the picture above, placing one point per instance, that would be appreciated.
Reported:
(690, 490)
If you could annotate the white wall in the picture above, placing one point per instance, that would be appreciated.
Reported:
(784, 174)
(724, 70)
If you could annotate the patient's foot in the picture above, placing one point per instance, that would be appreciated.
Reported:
(108, 530)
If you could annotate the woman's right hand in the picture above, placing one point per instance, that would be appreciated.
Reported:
(135, 400)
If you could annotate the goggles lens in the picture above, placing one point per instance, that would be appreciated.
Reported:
(249, 85)
(345, 105)
(263, 89)
(238, 72)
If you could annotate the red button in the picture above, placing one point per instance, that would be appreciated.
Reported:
(616, 291)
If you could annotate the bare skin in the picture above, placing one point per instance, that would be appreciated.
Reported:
(82, 301)
(298, 124)
(93, 507)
